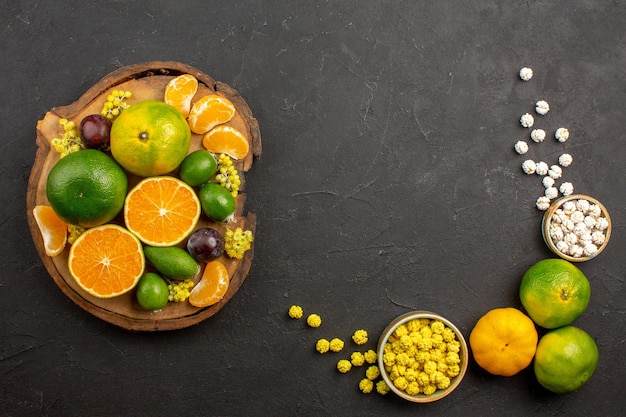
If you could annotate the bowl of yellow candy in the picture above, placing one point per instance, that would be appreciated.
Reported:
(422, 356)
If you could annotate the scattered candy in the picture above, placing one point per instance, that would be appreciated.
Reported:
(526, 74)
(565, 160)
(542, 107)
(561, 134)
(521, 147)
(538, 135)
(527, 120)
(529, 166)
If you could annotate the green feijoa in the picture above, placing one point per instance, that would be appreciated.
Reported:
(172, 262)
(152, 292)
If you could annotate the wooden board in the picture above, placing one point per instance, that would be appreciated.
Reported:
(145, 81)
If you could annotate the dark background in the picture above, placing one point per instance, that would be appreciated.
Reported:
(387, 183)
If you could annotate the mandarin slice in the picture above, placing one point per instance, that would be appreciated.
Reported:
(161, 211)
(212, 286)
(53, 229)
(180, 91)
(226, 140)
(208, 112)
(106, 261)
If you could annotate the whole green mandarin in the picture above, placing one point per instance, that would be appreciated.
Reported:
(554, 292)
(566, 359)
(150, 138)
(86, 188)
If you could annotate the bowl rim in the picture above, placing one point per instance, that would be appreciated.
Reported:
(403, 318)
(546, 221)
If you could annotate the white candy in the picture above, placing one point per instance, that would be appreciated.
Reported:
(526, 73)
(576, 251)
(583, 205)
(543, 203)
(561, 134)
(538, 135)
(590, 249)
(541, 168)
(565, 160)
(602, 224)
(527, 120)
(585, 237)
(577, 217)
(529, 166)
(521, 147)
(555, 172)
(570, 238)
(598, 237)
(548, 182)
(551, 192)
(569, 207)
(594, 210)
(566, 188)
(590, 222)
(577, 228)
(562, 246)
(556, 233)
(542, 107)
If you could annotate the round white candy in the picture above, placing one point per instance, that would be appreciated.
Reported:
(543, 203)
(566, 188)
(527, 120)
(541, 168)
(555, 172)
(565, 160)
(548, 182)
(542, 107)
(529, 166)
(538, 135)
(561, 134)
(521, 147)
(526, 73)
(551, 192)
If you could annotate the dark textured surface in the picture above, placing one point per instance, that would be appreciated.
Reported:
(388, 183)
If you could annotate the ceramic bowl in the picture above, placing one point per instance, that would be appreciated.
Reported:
(454, 381)
(551, 220)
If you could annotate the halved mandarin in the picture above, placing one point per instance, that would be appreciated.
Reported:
(106, 261)
(210, 111)
(226, 140)
(212, 286)
(53, 229)
(180, 91)
(161, 211)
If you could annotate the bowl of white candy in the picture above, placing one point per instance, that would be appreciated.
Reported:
(576, 227)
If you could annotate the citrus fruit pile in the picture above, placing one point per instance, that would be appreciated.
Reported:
(504, 341)
(132, 183)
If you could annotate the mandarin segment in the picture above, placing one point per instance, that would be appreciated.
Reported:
(226, 140)
(180, 91)
(210, 111)
(53, 229)
(161, 211)
(212, 286)
(106, 261)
